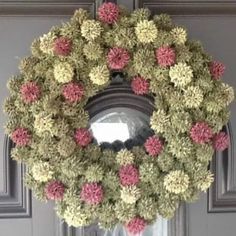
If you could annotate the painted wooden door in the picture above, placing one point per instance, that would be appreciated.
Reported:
(213, 22)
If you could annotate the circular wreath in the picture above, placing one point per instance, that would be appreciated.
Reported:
(49, 125)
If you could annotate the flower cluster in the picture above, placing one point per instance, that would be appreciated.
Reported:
(49, 124)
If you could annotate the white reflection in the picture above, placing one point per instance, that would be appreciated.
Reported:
(110, 132)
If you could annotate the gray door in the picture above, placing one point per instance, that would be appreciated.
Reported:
(212, 22)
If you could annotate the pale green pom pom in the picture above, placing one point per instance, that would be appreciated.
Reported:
(66, 146)
(42, 171)
(181, 74)
(148, 172)
(125, 157)
(181, 121)
(179, 35)
(130, 194)
(94, 173)
(60, 128)
(43, 123)
(76, 216)
(147, 208)
(80, 16)
(140, 14)
(124, 211)
(46, 43)
(228, 93)
(159, 121)
(176, 182)
(193, 96)
(99, 75)
(146, 31)
(13, 84)
(181, 147)
(165, 161)
(92, 51)
(91, 29)
(204, 152)
(204, 181)
(63, 72)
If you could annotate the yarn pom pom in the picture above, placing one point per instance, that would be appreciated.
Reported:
(54, 190)
(129, 175)
(21, 137)
(108, 12)
(92, 193)
(153, 146)
(73, 92)
(62, 46)
(220, 141)
(201, 133)
(83, 137)
(217, 69)
(30, 92)
(117, 58)
(139, 85)
(136, 225)
(165, 56)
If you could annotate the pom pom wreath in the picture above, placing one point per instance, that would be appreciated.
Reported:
(146, 31)
(165, 56)
(108, 13)
(153, 146)
(92, 193)
(73, 92)
(91, 29)
(129, 175)
(54, 190)
(201, 133)
(99, 75)
(63, 72)
(217, 69)
(48, 118)
(117, 58)
(62, 46)
(176, 182)
(30, 92)
(83, 137)
(181, 74)
(42, 171)
(139, 85)
(220, 141)
(21, 137)
(136, 225)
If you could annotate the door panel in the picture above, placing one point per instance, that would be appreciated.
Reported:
(212, 22)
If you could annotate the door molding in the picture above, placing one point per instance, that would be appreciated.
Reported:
(46, 7)
(222, 194)
(15, 198)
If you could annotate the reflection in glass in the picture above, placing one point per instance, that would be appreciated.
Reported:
(118, 128)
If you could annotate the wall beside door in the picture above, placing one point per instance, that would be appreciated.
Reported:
(212, 22)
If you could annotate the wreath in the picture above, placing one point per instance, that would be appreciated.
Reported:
(49, 124)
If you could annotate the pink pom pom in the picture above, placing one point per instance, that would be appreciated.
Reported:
(73, 92)
(118, 58)
(21, 137)
(217, 69)
(129, 175)
(136, 225)
(62, 46)
(153, 146)
(30, 92)
(139, 85)
(83, 137)
(201, 133)
(54, 190)
(165, 56)
(92, 193)
(108, 13)
(220, 141)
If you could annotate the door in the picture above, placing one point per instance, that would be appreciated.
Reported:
(212, 22)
